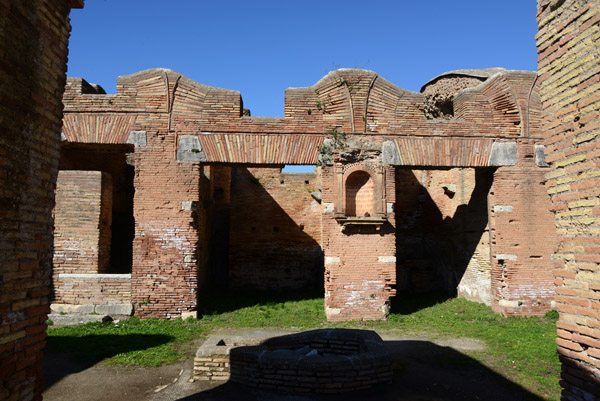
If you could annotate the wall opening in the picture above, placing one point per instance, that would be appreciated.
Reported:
(115, 161)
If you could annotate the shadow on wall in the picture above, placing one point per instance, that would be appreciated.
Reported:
(113, 160)
(434, 252)
(422, 371)
(271, 247)
(90, 350)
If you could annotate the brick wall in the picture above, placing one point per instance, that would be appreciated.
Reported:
(116, 161)
(442, 232)
(34, 37)
(567, 43)
(94, 289)
(185, 124)
(439, 95)
(360, 261)
(274, 230)
(82, 222)
(169, 248)
(523, 238)
(360, 195)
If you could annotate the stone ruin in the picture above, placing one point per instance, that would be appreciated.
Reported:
(568, 90)
(177, 189)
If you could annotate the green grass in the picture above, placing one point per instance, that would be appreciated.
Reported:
(148, 343)
(522, 349)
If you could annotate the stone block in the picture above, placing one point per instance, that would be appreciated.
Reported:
(503, 209)
(506, 256)
(192, 314)
(503, 154)
(330, 260)
(189, 149)
(68, 308)
(540, 156)
(137, 138)
(114, 309)
(390, 153)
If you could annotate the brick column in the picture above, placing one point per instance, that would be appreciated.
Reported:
(360, 261)
(568, 65)
(169, 247)
(34, 37)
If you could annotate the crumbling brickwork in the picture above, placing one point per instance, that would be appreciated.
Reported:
(34, 37)
(439, 95)
(567, 43)
(178, 127)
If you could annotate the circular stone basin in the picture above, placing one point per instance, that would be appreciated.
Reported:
(326, 360)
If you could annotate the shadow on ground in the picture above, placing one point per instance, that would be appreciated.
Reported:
(86, 351)
(424, 371)
(213, 301)
(405, 303)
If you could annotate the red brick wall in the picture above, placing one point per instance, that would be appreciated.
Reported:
(567, 43)
(523, 237)
(113, 160)
(82, 221)
(166, 105)
(169, 248)
(360, 263)
(116, 161)
(34, 38)
(275, 229)
(360, 194)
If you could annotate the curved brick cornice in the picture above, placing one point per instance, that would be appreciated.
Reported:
(346, 100)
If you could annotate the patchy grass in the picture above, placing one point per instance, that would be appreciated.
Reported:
(148, 343)
(522, 349)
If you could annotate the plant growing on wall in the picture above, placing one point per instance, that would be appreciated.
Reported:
(335, 140)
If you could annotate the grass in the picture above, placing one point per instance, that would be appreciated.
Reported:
(522, 349)
(148, 343)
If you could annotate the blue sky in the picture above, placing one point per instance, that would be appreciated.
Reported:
(260, 48)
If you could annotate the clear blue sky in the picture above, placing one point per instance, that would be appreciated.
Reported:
(260, 48)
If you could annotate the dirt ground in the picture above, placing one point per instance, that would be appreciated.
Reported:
(424, 371)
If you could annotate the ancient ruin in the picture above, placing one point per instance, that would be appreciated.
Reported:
(33, 68)
(178, 188)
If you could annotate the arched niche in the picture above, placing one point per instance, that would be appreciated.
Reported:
(360, 195)
(360, 188)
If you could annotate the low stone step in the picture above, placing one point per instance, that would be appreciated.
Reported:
(73, 319)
